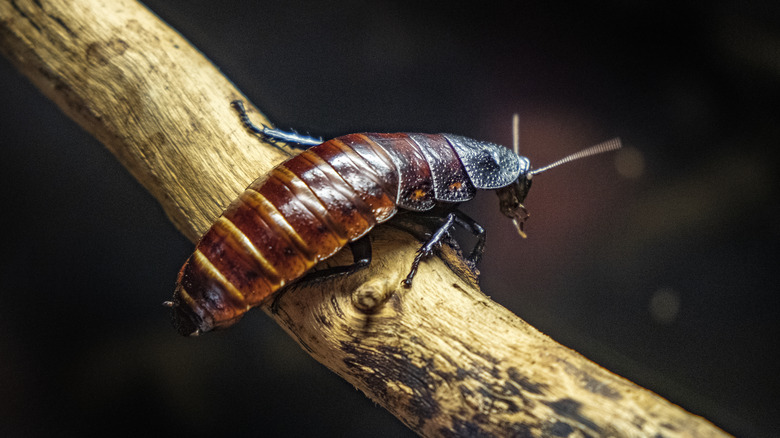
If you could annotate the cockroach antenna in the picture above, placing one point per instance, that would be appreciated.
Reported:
(516, 133)
(609, 145)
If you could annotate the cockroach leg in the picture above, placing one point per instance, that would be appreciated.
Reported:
(427, 249)
(361, 254)
(273, 135)
(477, 230)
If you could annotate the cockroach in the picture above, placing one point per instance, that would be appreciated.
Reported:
(331, 195)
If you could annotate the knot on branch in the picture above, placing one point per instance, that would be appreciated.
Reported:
(371, 295)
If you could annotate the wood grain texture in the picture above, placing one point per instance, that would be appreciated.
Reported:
(440, 356)
(144, 92)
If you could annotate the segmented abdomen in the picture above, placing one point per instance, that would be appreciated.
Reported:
(300, 213)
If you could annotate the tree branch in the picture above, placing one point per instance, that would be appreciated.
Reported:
(440, 356)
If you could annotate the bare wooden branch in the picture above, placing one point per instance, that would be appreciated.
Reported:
(441, 356)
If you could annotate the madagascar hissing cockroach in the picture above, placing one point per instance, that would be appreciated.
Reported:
(332, 194)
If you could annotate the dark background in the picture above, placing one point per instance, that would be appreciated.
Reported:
(656, 262)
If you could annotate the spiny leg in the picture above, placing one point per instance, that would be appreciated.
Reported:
(477, 230)
(361, 256)
(427, 249)
(441, 234)
(292, 138)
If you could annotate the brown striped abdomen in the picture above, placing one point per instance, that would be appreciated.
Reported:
(302, 212)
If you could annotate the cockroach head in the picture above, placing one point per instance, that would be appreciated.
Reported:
(511, 200)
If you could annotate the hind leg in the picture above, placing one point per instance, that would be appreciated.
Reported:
(274, 135)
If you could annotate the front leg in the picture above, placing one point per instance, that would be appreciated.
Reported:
(427, 249)
(477, 230)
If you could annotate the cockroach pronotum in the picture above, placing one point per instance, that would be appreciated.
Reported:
(329, 196)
